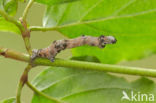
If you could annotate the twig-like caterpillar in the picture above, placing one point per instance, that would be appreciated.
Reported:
(51, 51)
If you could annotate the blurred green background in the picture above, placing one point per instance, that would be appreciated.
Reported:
(11, 70)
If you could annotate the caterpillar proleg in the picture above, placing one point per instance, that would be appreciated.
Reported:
(51, 51)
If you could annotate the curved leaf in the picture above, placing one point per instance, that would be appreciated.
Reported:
(84, 86)
(10, 100)
(8, 26)
(10, 7)
(132, 22)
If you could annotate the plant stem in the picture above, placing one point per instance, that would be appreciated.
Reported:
(22, 81)
(8, 53)
(28, 45)
(26, 36)
(26, 32)
(27, 9)
(11, 19)
(42, 94)
(18, 95)
(78, 64)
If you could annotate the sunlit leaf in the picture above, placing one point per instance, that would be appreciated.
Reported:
(54, 2)
(10, 7)
(132, 22)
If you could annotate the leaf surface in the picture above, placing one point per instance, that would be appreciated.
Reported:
(10, 7)
(10, 100)
(54, 2)
(132, 22)
(85, 86)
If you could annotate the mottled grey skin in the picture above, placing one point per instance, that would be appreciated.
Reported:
(59, 45)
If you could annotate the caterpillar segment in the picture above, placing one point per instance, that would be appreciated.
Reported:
(57, 46)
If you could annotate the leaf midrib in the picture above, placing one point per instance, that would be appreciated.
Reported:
(64, 78)
(92, 90)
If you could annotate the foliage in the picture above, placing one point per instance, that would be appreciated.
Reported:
(10, 7)
(54, 2)
(86, 86)
(10, 100)
(132, 22)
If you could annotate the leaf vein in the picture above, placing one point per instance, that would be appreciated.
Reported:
(67, 77)
(124, 7)
(89, 10)
(92, 90)
(107, 18)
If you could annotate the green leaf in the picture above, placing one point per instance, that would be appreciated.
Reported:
(8, 26)
(132, 22)
(9, 6)
(10, 100)
(54, 2)
(85, 86)
(86, 58)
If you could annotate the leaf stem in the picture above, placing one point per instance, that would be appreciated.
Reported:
(22, 81)
(42, 94)
(79, 64)
(27, 9)
(38, 28)
(11, 19)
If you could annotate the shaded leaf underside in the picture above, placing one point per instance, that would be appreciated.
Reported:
(132, 22)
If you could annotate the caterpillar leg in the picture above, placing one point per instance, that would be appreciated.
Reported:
(37, 53)
(52, 59)
(34, 54)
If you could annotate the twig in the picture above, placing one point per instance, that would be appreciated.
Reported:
(26, 36)
(23, 80)
(79, 65)
(42, 94)
(26, 32)
(27, 9)
(18, 94)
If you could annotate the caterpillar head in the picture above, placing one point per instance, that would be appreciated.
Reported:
(103, 40)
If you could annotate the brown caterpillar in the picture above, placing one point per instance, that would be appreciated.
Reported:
(51, 51)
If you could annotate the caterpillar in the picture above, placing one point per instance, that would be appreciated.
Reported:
(57, 46)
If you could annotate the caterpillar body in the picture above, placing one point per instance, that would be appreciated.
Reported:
(51, 51)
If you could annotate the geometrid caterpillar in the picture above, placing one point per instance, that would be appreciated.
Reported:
(51, 51)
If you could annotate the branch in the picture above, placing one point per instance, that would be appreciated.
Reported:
(23, 80)
(26, 36)
(78, 64)
(11, 19)
(26, 32)
(27, 9)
